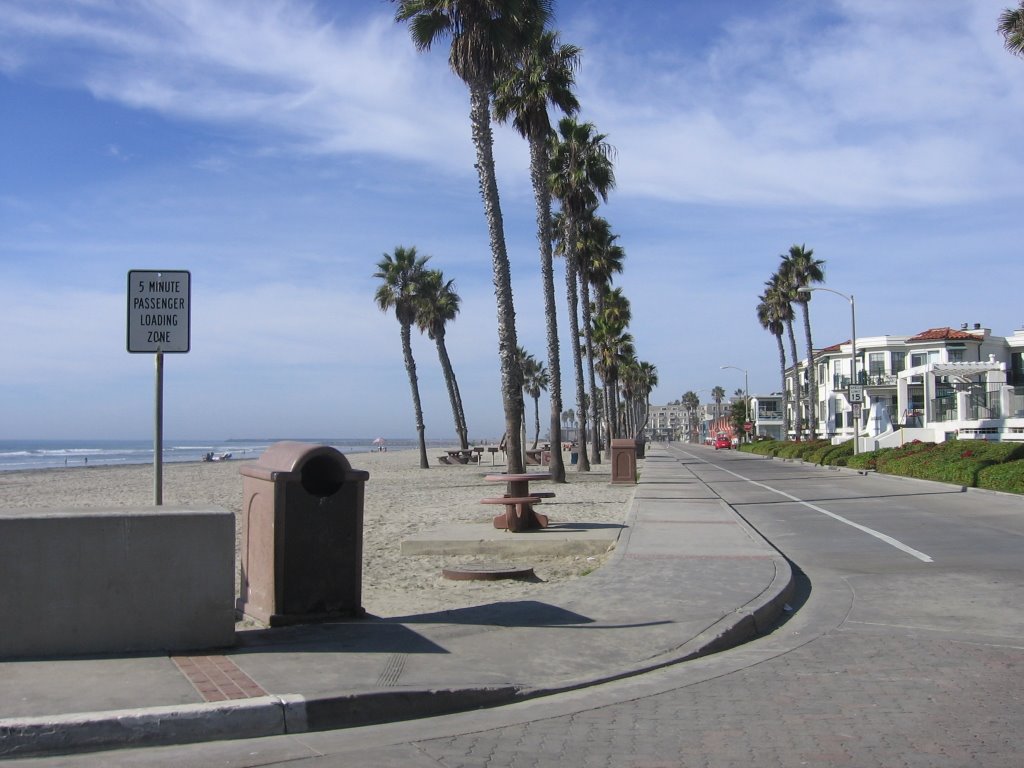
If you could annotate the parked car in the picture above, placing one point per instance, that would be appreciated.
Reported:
(723, 441)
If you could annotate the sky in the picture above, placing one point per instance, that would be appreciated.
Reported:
(277, 150)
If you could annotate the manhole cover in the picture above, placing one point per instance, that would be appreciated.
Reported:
(487, 571)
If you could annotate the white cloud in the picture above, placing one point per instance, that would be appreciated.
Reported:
(881, 105)
(351, 83)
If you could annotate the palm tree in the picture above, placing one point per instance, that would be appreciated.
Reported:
(535, 380)
(616, 310)
(486, 36)
(600, 259)
(647, 381)
(605, 259)
(437, 304)
(543, 75)
(1011, 27)
(637, 378)
(771, 313)
(718, 395)
(800, 268)
(613, 347)
(691, 403)
(633, 382)
(589, 238)
(580, 173)
(776, 287)
(401, 274)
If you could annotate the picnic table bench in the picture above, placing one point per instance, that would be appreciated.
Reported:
(460, 456)
(516, 508)
(518, 501)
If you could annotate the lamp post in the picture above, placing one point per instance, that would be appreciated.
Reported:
(746, 391)
(853, 348)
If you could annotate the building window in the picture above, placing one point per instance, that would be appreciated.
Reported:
(899, 361)
(923, 358)
(876, 363)
(955, 355)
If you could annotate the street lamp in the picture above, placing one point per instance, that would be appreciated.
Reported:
(746, 390)
(853, 348)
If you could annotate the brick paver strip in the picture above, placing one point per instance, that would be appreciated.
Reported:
(217, 678)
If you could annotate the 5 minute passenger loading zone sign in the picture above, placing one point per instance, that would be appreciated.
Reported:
(159, 310)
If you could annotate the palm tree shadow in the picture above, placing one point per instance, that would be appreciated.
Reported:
(372, 634)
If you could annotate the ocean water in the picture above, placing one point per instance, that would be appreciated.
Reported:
(47, 454)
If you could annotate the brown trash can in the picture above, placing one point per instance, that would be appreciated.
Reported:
(302, 536)
(624, 461)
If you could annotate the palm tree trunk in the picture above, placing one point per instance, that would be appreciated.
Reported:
(612, 398)
(542, 197)
(583, 462)
(410, 368)
(609, 432)
(511, 376)
(536, 422)
(785, 397)
(453, 390)
(812, 375)
(588, 338)
(797, 421)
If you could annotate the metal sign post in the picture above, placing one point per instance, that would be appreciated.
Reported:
(159, 321)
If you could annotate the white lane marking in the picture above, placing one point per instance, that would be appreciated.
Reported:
(870, 531)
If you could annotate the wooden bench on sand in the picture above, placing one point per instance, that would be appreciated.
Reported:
(517, 506)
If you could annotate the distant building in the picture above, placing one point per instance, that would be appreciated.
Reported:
(667, 422)
(936, 385)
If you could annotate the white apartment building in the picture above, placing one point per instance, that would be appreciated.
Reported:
(667, 422)
(933, 386)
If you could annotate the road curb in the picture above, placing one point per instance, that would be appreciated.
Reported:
(151, 726)
(295, 713)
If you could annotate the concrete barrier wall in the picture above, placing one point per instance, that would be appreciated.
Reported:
(76, 581)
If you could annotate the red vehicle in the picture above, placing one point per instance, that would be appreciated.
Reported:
(723, 441)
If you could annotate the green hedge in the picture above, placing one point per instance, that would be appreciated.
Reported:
(972, 463)
(1008, 477)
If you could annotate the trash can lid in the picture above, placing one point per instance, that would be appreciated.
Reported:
(286, 458)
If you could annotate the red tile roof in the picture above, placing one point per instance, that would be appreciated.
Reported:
(943, 334)
(833, 348)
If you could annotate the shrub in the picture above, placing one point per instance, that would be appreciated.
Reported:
(1008, 476)
(838, 455)
(955, 461)
(794, 450)
(766, 447)
(867, 460)
(977, 463)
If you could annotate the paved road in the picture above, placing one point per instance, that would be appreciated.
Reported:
(907, 650)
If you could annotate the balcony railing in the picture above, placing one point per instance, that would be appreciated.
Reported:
(867, 379)
(984, 405)
(980, 405)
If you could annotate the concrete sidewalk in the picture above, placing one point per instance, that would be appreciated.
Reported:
(688, 577)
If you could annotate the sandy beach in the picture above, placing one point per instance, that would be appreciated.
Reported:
(401, 499)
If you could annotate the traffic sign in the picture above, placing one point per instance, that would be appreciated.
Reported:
(747, 426)
(856, 393)
(159, 310)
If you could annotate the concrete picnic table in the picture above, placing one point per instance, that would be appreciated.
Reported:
(519, 513)
(461, 455)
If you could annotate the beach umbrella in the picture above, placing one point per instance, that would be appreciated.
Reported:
(379, 441)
